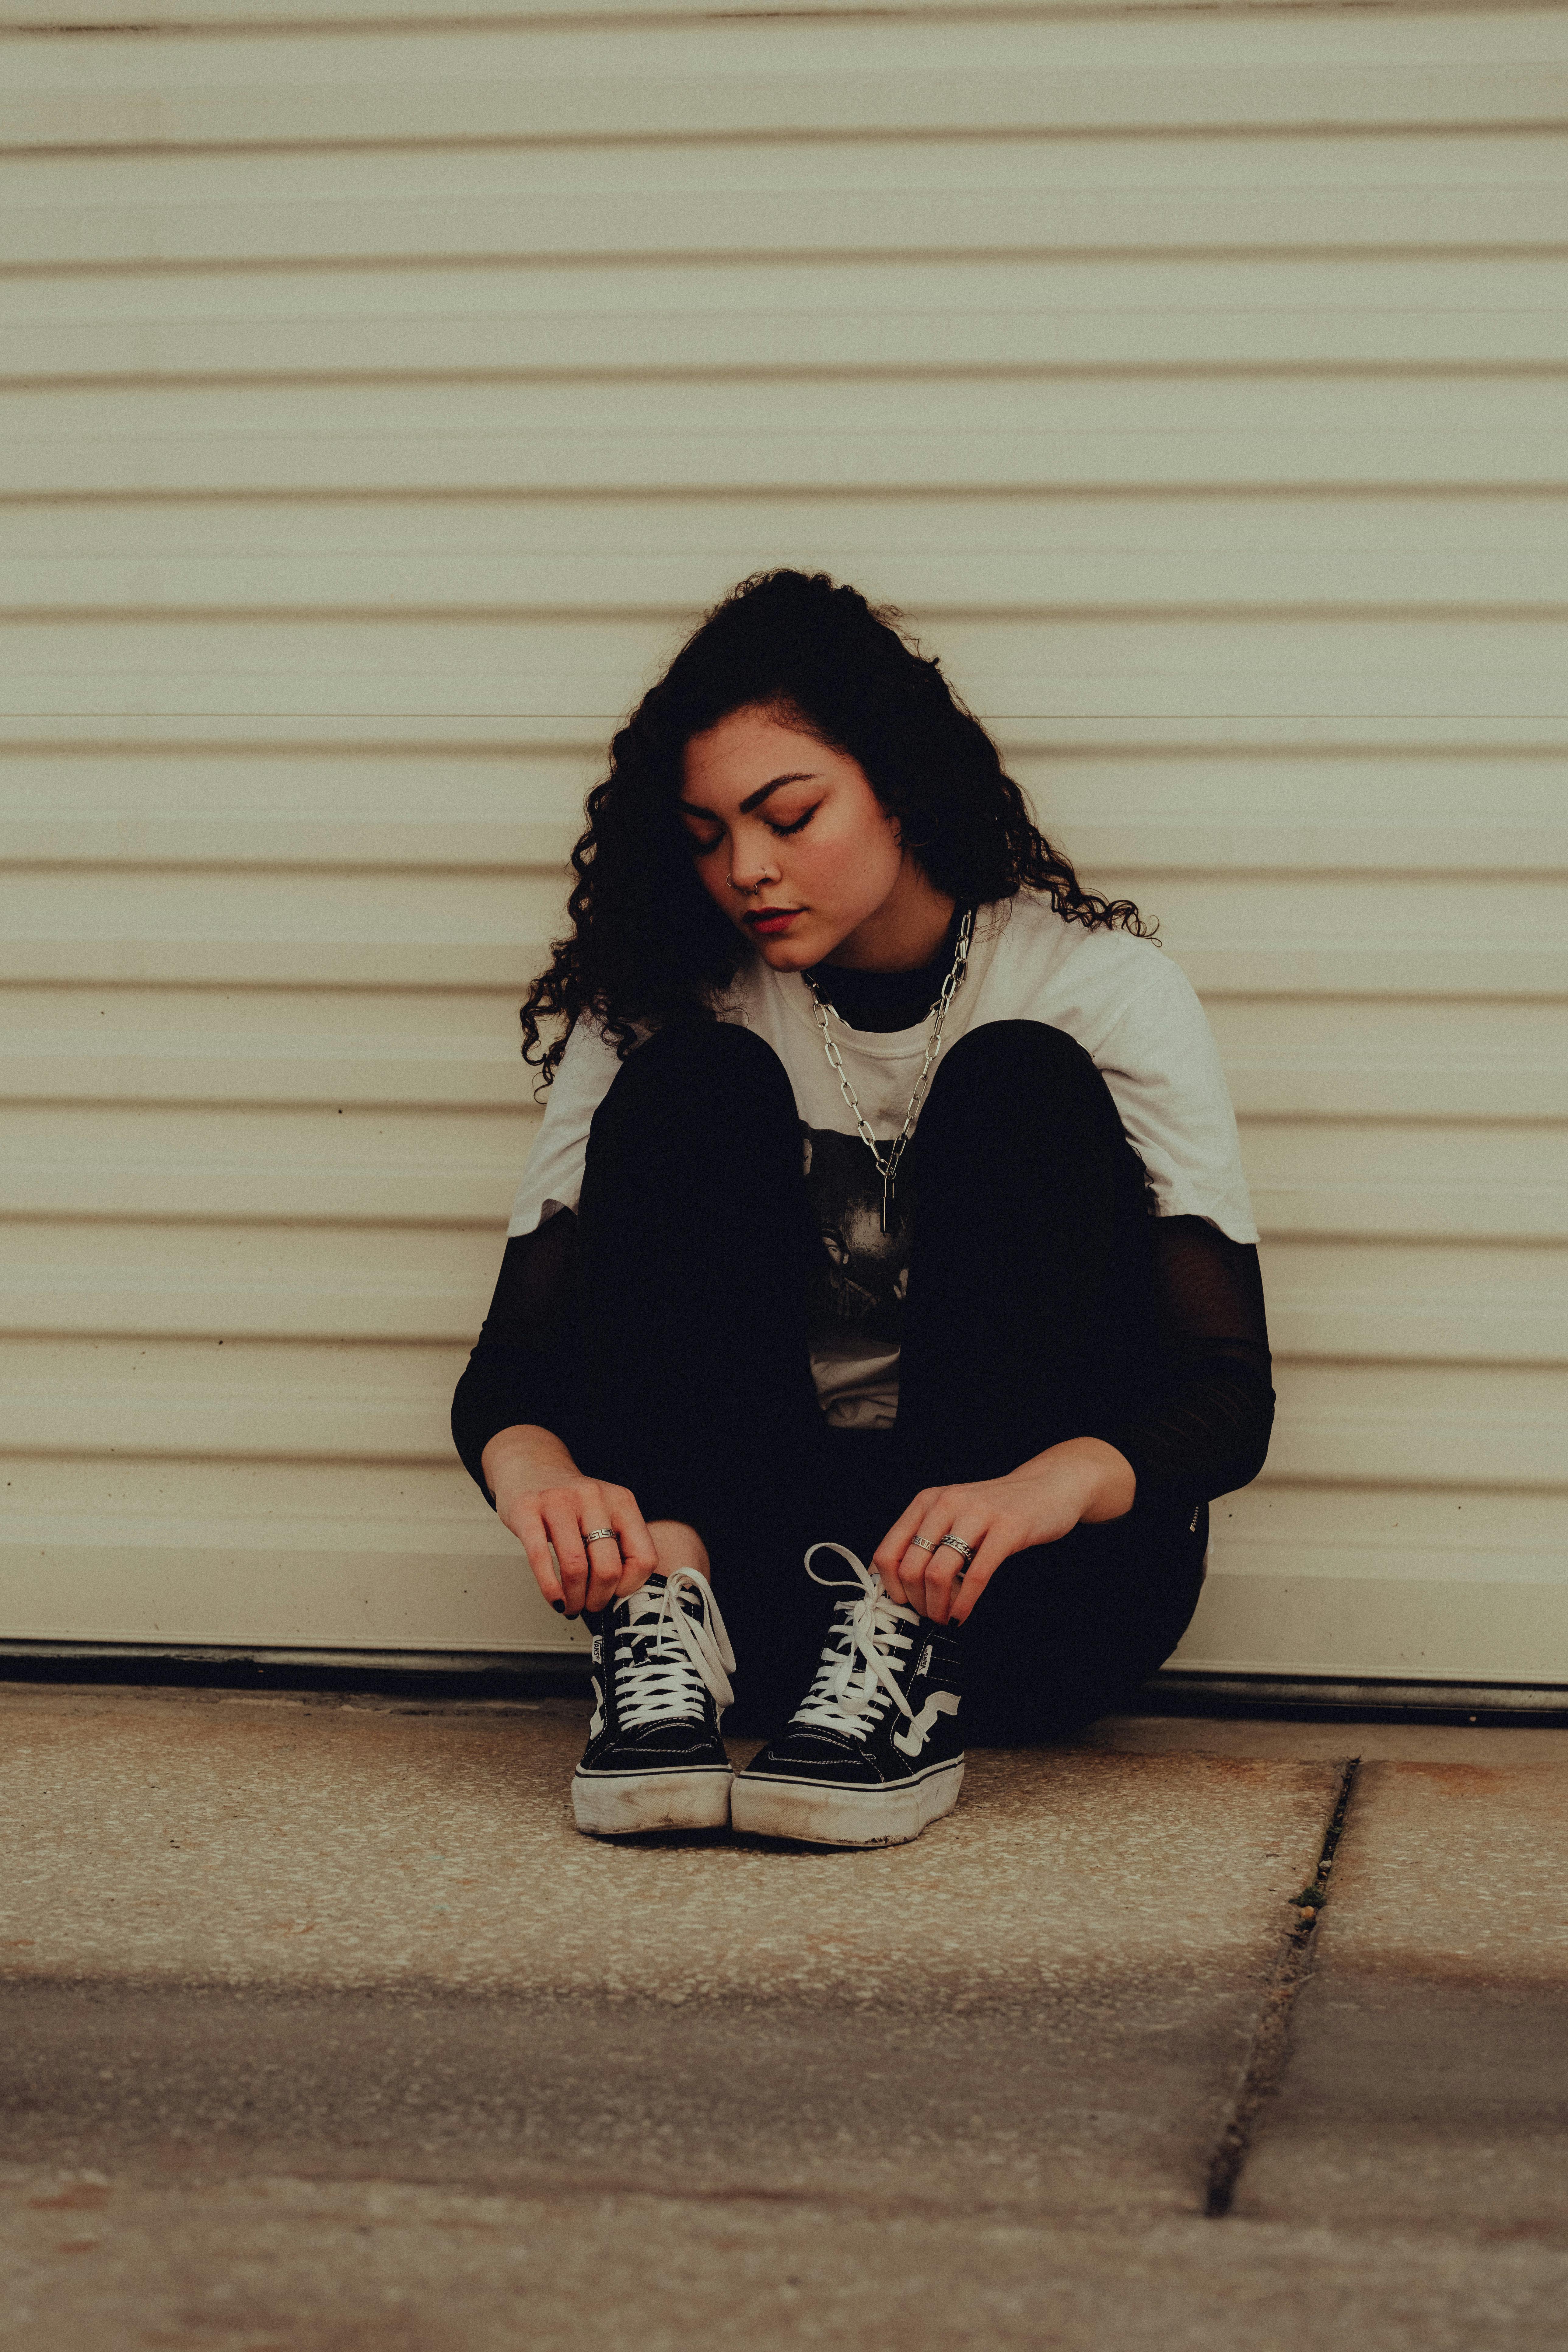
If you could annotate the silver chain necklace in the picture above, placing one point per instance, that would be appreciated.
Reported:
(888, 1157)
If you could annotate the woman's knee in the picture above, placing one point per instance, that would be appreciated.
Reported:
(701, 1054)
(1001, 1059)
(1029, 1082)
(697, 1078)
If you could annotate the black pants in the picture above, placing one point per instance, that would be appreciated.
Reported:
(1029, 1319)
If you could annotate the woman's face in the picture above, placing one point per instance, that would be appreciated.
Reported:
(793, 845)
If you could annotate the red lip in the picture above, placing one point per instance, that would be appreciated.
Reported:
(770, 920)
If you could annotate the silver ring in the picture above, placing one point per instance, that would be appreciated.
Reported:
(596, 1535)
(921, 1544)
(952, 1544)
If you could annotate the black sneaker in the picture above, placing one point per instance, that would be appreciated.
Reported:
(654, 1758)
(872, 1753)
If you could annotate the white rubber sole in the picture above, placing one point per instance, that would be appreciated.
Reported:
(763, 1806)
(626, 1804)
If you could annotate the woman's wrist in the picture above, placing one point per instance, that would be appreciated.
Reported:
(523, 1457)
(1106, 1479)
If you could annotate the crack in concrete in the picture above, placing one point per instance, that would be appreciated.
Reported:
(1271, 2039)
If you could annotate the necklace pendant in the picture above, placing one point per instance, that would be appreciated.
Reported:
(887, 1196)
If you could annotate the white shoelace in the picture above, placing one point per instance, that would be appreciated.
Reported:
(856, 1680)
(680, 1655)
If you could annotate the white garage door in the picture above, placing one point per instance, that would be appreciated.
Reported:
(387, 388)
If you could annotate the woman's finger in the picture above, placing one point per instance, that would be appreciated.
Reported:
(899, 1567)
(945, 1566)
(922, 1572)
(886, 1554)
(638, 1557)
(942, 1573)
(970, 1592)
(911, 1575)
(529, 1530)
(601, 1545)
(906, 1590)
(564, 1528)
(988, 1558)
(924, 1555)
(937, 1565)
(894, 1586)
(605, 1569)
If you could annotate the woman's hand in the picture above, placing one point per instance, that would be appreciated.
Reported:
(1043, 1500)
(545, 1499)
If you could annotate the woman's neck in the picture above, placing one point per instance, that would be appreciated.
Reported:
(890, 976)
(905, 933)
(885, 1001)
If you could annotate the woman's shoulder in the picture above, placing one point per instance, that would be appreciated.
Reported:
(553, 1177)
(583, 1078)
(1078, 979)
(1138, 1016)
(585, 1072)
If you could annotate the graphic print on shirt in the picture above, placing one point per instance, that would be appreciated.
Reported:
(858, 1287)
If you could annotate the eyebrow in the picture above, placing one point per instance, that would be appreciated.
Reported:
(753, 799)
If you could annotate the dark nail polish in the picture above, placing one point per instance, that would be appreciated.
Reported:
(559, 1607)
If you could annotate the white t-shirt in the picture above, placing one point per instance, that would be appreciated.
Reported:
(1128, 1005)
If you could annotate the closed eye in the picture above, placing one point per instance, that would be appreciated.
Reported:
(798, 827)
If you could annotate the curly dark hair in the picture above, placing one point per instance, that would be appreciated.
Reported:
(649, 945)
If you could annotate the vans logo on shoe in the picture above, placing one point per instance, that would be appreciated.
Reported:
(911, 1741)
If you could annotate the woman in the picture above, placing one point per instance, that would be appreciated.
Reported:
(886, 1206)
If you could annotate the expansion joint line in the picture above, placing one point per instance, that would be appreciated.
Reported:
(1266, 2059)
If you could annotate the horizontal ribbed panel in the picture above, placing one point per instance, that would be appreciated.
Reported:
(385, 389)
(1063, 434)
(177, 17)
(1315, 70)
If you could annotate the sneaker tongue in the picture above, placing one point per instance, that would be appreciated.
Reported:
(647, 1616)
(649, 1597)
(646, 1601)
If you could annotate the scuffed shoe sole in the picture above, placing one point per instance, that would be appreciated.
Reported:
(764, 1805)
(624, 1805)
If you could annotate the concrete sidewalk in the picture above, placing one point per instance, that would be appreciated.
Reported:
(323, 2030)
